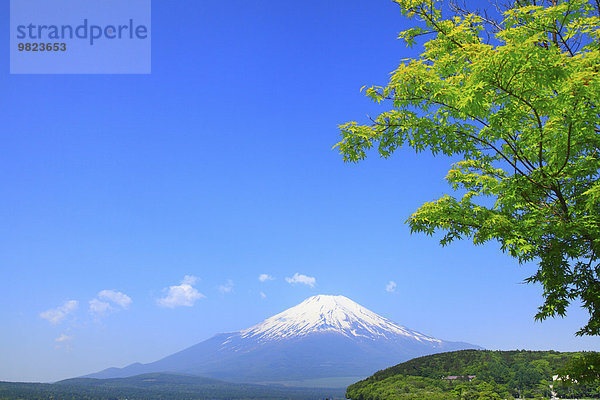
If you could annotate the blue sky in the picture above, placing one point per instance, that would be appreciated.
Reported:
(162, 198)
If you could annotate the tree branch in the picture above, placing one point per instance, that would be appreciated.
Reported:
(568, 149)
(563, 204)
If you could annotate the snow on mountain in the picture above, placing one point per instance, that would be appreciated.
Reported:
(324, 337)
(334, 314)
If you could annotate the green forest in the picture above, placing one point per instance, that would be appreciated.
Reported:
(475, 375)
(158, 387)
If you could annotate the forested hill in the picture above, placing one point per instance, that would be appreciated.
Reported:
(158, 386)
(475, 374)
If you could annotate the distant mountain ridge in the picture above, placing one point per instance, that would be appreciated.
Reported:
(323, 339)
(159, 386)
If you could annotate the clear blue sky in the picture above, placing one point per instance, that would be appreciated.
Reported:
(219, 165)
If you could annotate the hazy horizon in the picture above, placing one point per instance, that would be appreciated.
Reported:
(143, 214)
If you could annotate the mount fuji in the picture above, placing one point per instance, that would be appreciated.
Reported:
(323, 339)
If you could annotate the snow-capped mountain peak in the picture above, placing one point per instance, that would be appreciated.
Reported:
(334, 314)
(322, 337)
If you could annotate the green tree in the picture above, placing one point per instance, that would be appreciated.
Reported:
(518, 101)
(582, 369)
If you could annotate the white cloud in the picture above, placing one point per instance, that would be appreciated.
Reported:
(227, 288)
(99, 308)
(265, 277)
(391, 287)
(263, 295)
(56, 315)
(63, 338)
(63, 341)
(299, 278)
(121, 299)
(189, 280)
(181, 295)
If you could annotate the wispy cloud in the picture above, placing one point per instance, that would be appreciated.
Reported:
(111, 301)
(189, 280)
(227, 288)
(118, 298)
(263, 295)
(56, 315)
(183, 294)
(99, 308)
(265, 277)
(63, 338)
(299, 278)
(63, 341)
(391, 287)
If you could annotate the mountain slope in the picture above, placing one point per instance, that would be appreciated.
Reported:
(322, 337)
(336, 314)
